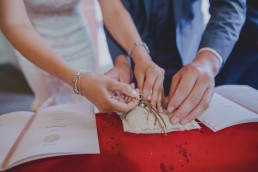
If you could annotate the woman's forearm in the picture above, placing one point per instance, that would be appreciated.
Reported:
(18, 29)
(119, 23)
(27, 41)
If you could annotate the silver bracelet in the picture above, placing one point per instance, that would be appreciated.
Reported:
(137, 43)
(77, 82)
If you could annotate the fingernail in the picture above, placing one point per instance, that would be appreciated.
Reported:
(145, 94)
(160, 109)
(166, 101)
(184, 121)
(134, 94)
(149, 98)
(171, 108)
(175, 121)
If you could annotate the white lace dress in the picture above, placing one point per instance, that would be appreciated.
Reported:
(61, 24)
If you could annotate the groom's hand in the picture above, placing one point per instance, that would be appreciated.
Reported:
(192, 88)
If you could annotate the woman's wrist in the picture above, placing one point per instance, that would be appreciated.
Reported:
(136, 44)
(138, 51)
(140, 54)
(77, 81)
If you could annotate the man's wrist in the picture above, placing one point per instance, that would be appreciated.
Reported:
(212, 51)
(210, 59)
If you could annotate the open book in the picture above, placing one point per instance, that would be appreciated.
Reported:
(231, 105)
(52, 131)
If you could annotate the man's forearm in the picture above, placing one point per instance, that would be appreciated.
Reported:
(222, 31)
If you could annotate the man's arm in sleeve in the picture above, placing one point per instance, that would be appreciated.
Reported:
(114, 48)
(224, 26)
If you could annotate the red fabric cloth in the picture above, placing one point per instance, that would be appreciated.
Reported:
(232, 149)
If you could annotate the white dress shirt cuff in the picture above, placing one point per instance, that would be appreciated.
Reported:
(214, 52)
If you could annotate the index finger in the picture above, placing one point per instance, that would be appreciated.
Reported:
(123, 106)
(157, 91)
(183, 89)
(148, 85)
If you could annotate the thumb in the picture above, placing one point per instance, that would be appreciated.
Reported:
(124, 89)
(113, 74)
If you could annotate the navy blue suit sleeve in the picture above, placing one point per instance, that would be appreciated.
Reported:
(224, 26)
(114, 48)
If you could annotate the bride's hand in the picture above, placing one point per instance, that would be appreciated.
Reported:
(100, 89)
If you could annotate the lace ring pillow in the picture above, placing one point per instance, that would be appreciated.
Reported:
(144, 119)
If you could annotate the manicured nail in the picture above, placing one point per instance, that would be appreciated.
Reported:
(166, 101)
(145, 94)
(185, 121)
(135, 94)
(149, 97)
(175, 121)
(171, 108)
(132, 85)
(160, 109)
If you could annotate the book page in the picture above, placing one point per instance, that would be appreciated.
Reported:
(242, 94)
(11, 125)
(59, 130)
(223, 113)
